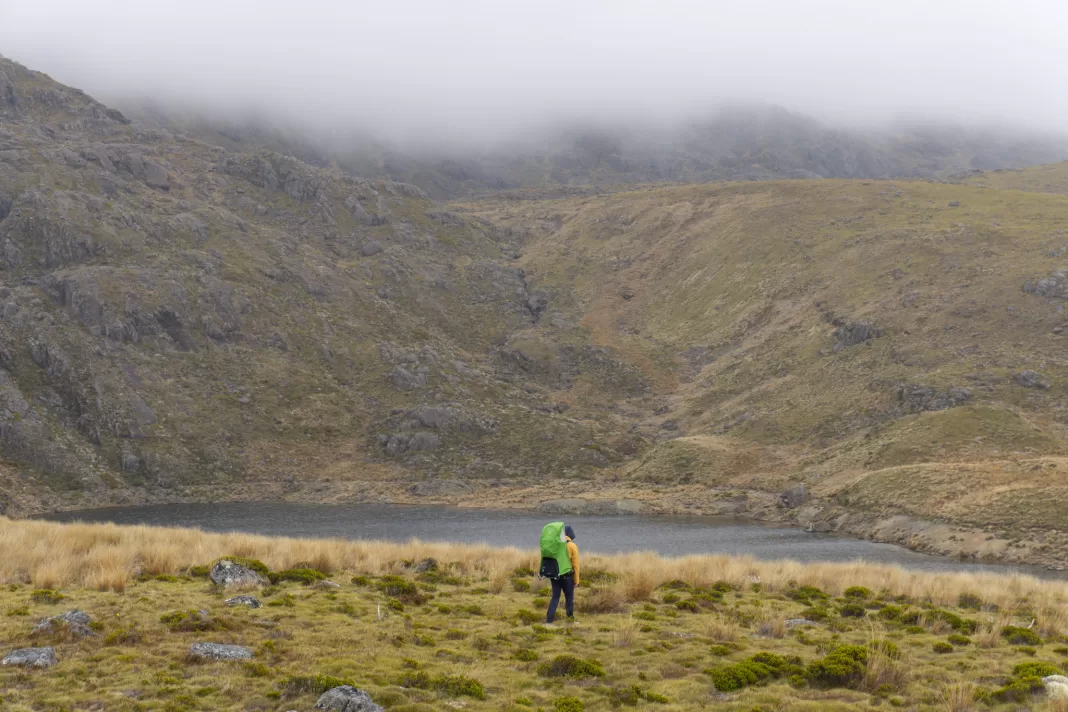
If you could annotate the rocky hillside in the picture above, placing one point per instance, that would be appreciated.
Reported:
(175, 313)
(181, 320)
(898, 348)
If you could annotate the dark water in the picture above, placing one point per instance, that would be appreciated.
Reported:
(670, 536)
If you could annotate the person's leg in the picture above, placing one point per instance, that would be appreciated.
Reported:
(568, 585)
(555, 600)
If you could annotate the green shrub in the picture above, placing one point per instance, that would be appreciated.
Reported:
(526, 655)
(942, 647)
(46, 596)
(165, 578)
(753, 670)
(199, 571)
(570, 666)
(852, 610)
(720, 650)
(858, 592)
(566, 704)
(304, 576)
(969, 600)
(123, 636)
(1035, 668)
(361, 580)
(455, 634)
(521, 585)
(1061, 650)
(842, 667)
(394, 605)
(254, 564)
(460, 685)
(644, 615)
(1020, 636)
(890, 613)
(402, 589)
(961, 625)
(887, 648)
(958, 639)
(287, 600)
(528, 617)
(670, 598)
(254, 669)
(523, 571)
(805, 594)
(677, 585)
(453, 685)
(597, 576)
(313, 684)
(687, 605)
(915, 630)
(18, 611)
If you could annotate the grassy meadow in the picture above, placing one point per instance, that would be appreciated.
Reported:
(464, 631)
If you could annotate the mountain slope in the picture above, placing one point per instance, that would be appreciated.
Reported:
(832, 333)
(184, 321)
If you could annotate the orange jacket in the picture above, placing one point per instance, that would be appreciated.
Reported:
(573, 555)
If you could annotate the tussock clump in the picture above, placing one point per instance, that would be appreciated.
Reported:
(313, 684)
(190, 621)
(46, 596)
(570, 666)
(859, 593)
(567, 704)
(452, 685)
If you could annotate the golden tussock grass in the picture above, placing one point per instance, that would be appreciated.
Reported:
(958, 697)
(106, 556)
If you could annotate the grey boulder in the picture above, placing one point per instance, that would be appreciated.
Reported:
(31, 657)
(229, 574)
(216, 651)
(76, 622)
(347, 699)
(794, 497)
(1032, 379)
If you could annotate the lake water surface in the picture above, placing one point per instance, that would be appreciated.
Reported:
(667, 535)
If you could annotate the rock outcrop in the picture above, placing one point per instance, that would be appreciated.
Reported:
(231, 575)
(30, 657)
(347, 699)
(217, 651)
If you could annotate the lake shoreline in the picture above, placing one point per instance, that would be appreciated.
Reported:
(927, 537)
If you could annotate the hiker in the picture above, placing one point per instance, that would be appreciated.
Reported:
(560, 564)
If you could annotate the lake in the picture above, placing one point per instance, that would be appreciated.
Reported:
(667, 535)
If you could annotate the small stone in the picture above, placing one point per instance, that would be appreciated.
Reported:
(216, 651)
(954, 203)
(799, 623)
(250, 601)
(347, 699)
(31, 657)
(327, 585)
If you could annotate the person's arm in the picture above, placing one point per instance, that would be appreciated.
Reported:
(573, 554)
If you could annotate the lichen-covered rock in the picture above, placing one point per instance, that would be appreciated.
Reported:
(31, 657)
(854, 333)
(232, 575)
(75, 622)
(1032, 379)
(347, 699)
(250, 601)
(1054, 286)
(217, 651)
(914, 398)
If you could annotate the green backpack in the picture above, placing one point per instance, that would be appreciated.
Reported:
(554, 559)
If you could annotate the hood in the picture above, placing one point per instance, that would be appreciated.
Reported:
(569, 531)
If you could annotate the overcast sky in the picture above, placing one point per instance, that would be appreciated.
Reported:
(483, 67)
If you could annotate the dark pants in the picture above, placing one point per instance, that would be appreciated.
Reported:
(565, 583)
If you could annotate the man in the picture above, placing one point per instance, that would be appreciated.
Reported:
(567, 581)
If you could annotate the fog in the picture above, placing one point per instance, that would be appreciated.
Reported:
(477, 69)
